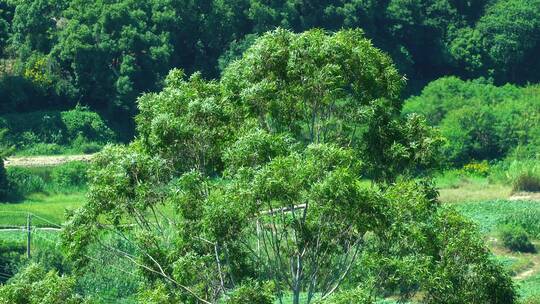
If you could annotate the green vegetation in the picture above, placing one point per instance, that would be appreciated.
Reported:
(105, 55)
(69, 177)
(272, 151)
(481, 121)
(497, 215)
(35, 285)
(52, 207)
(58, 132)
(516, 239)
(230, 180)
(5, 150)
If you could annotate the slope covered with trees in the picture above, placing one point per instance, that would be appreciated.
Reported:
(105, 53)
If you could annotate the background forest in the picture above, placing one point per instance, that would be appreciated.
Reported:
(215, 125)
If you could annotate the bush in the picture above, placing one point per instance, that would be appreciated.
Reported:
(356, 296)
(516, 238)
(10, 257)
(22, 182)
(70, 175)
(55, 132)
(34, 284)
(522, 174)
(527, 181)
(84, 125)
(475, 168)
(481, 121)
(252, 292)
(43, 149)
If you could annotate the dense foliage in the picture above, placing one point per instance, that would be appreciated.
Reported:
(251, 186)
(480, 120)
(516, 238)
(21, 181)
(35, 285)
(274, 157)
(106, 53)
(55, 132)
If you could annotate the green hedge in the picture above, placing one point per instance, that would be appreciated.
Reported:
(481, 121)
(57, 132)
(59, 179)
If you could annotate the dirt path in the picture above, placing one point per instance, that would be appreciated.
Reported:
(526, 196)
(529, 272)
(44, 161)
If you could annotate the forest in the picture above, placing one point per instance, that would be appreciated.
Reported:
(270, 151)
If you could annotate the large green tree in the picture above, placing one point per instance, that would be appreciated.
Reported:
(258, 177)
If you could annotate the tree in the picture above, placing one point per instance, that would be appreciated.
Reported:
(35, 285)
(510, 31)
(328, 89)
(5, 19)
(257, 176)
(421, 27)
(34, 26)
(480, 120)
(112, 51)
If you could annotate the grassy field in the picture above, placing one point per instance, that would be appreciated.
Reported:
(49, 207)
(524, 267)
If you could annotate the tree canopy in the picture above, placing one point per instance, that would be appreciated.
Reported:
(252, 186)
(105, 54)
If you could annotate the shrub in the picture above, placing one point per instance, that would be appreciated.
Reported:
(527, 181)
(70, 175)
(81, 144)
(481, 121)
(43, 149)
(483, 281)
(10, 256)
(33, 284)
(55, 132)
(357, 296)
(477, 168)
(83, 124)
(523, 174)
(471, 135)
(252, 292)
(516, 238)
(22, 182)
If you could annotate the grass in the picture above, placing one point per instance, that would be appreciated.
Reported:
(474, 192)
(454, 187)
(489, 214)
(525, 267)
(50, 207)
(530, 287)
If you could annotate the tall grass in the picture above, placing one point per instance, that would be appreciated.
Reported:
(523, 175)
(66, 178)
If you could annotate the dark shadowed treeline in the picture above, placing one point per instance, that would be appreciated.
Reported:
(57, 53)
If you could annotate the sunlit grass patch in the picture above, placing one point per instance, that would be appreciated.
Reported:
(51, 207)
